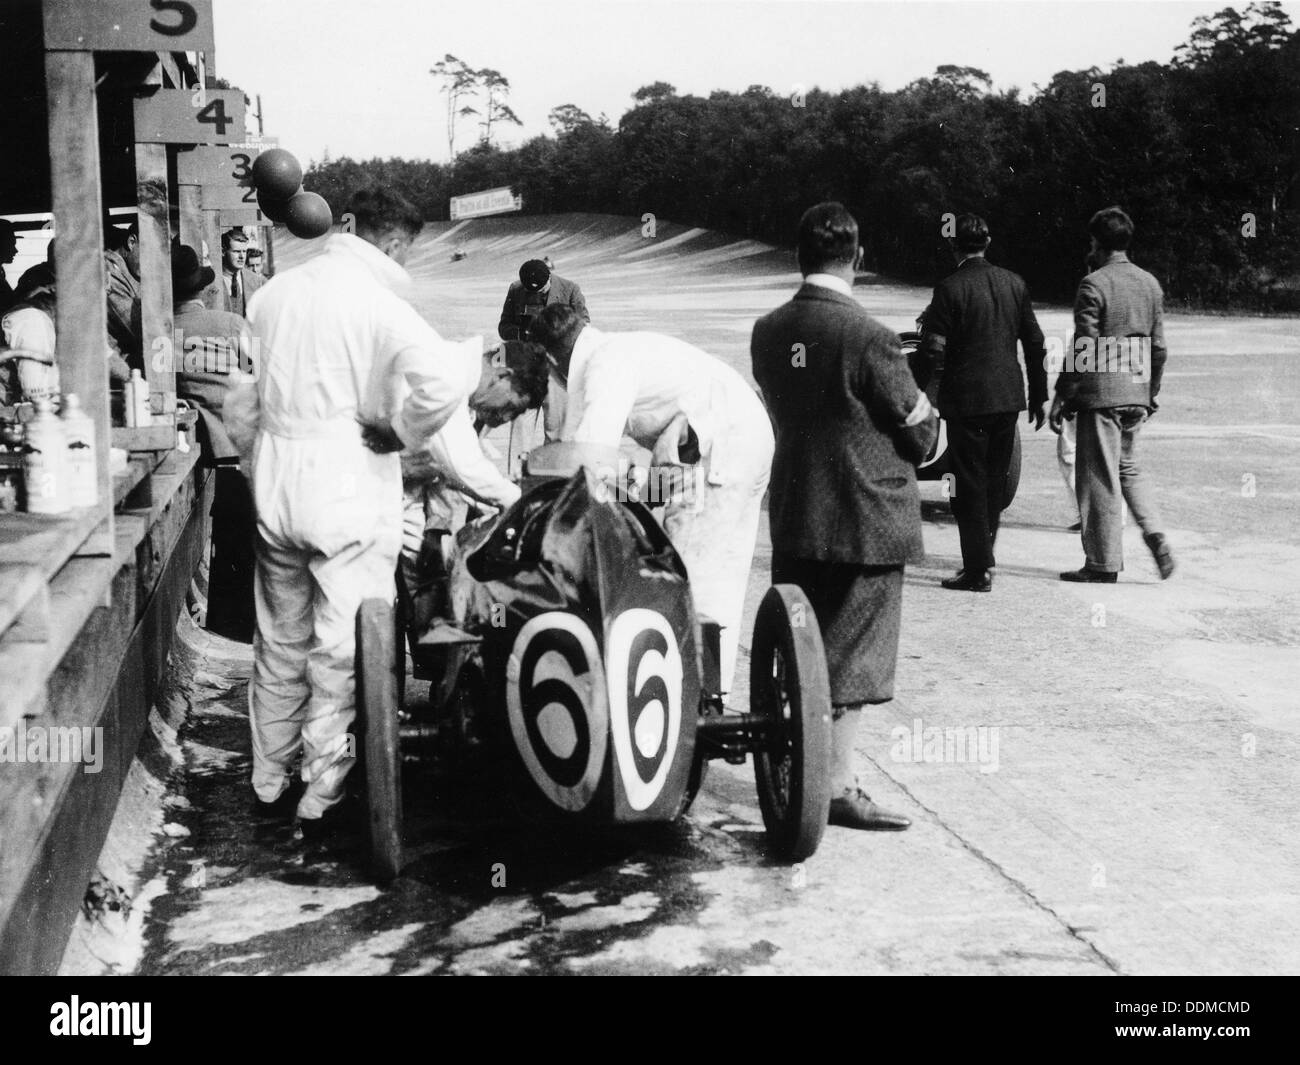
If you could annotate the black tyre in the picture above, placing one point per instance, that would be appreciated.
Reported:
(790, 689)
(378, 703)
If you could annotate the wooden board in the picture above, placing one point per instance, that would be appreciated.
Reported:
(129, 25)
(81, 325)
(230, 198)
(155, 249)
(45, 541)
(188, 116)
(24, 604)
(228, 164)
(161, 436)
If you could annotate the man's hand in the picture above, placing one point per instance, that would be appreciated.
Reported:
(1038, 414)
(380, 438)
(1057, 415)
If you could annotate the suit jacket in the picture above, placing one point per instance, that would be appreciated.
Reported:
(838, 388)
(982, 310)
(521, 303)
(1119, 339)
(122, 293)
(249, 282)
(213, 355)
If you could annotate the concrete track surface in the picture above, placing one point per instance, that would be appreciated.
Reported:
(1136, 806)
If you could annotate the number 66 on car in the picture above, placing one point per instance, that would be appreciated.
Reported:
(580, 657)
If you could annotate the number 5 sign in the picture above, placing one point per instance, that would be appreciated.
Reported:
(129, 25)
(179, 116)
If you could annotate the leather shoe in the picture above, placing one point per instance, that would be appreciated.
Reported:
(1089, 576)
(1161, 552)
(854, 808)
(981, 581)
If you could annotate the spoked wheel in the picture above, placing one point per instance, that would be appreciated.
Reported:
(790, 689)
(378, 703)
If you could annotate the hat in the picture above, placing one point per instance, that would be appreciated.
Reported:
(534, 274)
(188, 274)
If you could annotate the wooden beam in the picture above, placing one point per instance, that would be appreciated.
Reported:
(81, 323)
(152, 198)
(155, 271)
(214, 296)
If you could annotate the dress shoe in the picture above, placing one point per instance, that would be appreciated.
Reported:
(854, 808)
(980, 581)
(1089, 576)
(1161, 552)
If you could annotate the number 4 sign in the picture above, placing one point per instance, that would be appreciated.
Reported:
(129, 25)
(179, 116)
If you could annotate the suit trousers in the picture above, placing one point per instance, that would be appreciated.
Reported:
(1107, 476)
(979, 454)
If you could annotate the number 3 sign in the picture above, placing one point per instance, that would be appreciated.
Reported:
(129, 25)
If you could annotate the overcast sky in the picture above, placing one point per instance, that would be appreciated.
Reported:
(352, 76)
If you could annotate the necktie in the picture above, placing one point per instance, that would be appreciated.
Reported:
(234, 287)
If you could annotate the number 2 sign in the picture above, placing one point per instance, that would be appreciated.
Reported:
(129, 25)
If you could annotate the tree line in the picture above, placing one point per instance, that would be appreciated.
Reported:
(1202, 151)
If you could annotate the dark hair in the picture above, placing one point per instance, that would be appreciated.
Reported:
(556, 327)
(115, 238)
(231, 235)
(529, 370)
(1111, 228)
(828, 236)
(972, 233)
(379, 211)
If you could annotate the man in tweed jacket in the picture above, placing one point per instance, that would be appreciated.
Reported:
(851, 425)
(1110, 385)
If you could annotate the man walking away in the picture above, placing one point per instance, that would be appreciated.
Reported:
(321, 430)
(851, 425)
(1111, 389)
(977, 315)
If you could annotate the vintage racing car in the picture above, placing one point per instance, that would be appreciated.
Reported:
(570, 640)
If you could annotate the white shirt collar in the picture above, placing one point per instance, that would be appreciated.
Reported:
(830, 281)
(385, 270)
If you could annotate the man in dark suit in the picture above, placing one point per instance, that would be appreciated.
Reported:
(1110, 387)
(977, 315)
(214, 353)
(539, 287)
(238, 281)
(536, 289)
(851, 425)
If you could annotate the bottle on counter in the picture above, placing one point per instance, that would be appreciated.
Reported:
(138, 414)
(82, 470)
(45, 450)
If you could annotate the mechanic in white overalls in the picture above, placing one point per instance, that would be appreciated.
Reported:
(349, 374)
(678, 402)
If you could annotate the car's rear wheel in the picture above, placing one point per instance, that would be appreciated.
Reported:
(789, 689)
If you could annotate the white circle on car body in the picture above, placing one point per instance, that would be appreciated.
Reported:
(644, 664)
(558, 709)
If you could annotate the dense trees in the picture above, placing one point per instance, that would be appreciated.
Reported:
(1204, 152)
